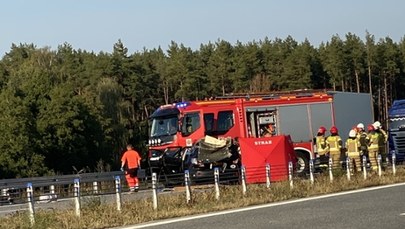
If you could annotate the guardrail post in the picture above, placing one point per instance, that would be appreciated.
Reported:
(243, 173)
(330, 169)
(154, 191)
(290, 174)
(379, 164)
(216, 181)
(364, 167)
(77, 196)
(4, 192)
(95, 187)
(187, 186)
(394, 170)
(30, 199)
(348, 167)
(52, 189)
(311, 170)
(268, 175)
(118, 192)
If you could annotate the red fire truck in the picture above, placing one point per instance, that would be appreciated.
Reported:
(297, 114)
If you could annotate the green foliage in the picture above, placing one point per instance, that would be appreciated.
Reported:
(71, 108)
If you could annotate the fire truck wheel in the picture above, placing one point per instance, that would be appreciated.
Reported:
(302, 163)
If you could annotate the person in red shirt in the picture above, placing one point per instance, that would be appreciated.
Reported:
(131, 162)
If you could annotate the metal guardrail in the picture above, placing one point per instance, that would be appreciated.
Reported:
(58, 180)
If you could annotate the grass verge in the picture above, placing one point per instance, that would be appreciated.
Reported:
(96, 214)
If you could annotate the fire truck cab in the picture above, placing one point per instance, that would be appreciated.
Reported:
(299, 114)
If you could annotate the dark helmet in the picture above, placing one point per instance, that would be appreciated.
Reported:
(333, 130)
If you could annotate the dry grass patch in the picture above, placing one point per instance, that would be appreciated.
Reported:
(96, 214)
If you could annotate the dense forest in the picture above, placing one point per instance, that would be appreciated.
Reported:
(64, 110)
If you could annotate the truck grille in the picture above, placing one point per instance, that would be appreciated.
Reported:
(398, 138)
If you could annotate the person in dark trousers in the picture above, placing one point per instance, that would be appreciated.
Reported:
(130, 163)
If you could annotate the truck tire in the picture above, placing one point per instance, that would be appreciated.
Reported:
(302, 166)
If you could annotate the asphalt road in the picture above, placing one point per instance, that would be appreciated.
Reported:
(379, 207)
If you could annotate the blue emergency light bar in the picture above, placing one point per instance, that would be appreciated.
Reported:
(182, 104)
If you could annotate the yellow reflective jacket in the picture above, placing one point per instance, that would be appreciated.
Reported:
(352, 145)
(321, 145)
(334, 142)
(373, 136)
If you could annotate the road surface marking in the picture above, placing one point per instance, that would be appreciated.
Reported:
(257, 207)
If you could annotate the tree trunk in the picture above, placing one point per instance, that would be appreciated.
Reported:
(379, 104)
(343, 84)
(181, 89)
(386, 100)
(370, 88)
(357, 81)
(166, 92)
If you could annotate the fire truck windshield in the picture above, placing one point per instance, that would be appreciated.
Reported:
(164, 126)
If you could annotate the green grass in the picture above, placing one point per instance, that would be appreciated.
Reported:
(96, 214)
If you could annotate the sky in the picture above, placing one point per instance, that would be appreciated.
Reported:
(96, 25)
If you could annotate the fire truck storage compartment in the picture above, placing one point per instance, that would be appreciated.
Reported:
(301, 121)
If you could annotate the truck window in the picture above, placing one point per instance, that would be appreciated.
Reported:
(294, 120)
(261, 122)
(225, 121)
(164, 126)
(191, 122)
(209, 123)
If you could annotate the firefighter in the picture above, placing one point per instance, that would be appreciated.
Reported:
(335, 146)
(364, 142)
(321, 147)
(382, 142)
(130, 163)
(373, 146)
(353, 150)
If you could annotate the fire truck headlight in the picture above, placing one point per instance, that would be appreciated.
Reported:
(150, 142)
(159, 141)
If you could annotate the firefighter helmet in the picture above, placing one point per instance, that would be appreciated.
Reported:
(352, 133)
(322, 130)
(370, 127)
(360, 126)
(333, 130)
(377, 125)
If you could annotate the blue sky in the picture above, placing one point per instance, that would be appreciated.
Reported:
(95, 25)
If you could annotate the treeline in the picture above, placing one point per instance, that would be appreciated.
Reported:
(64, 110)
